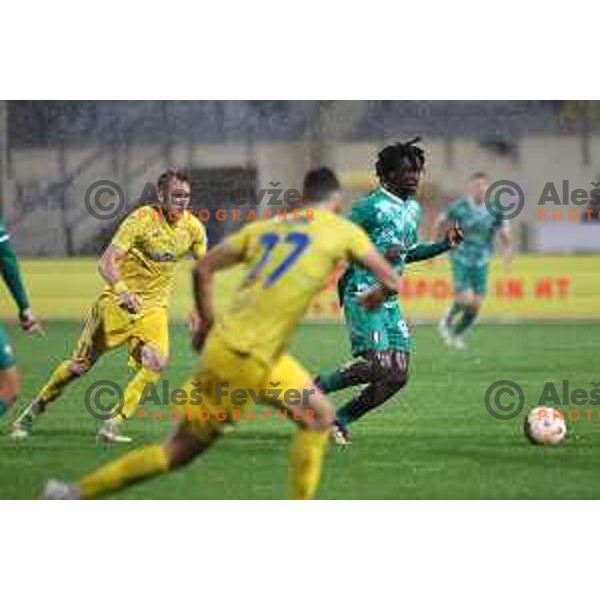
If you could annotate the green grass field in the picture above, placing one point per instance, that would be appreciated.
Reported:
(435, 440)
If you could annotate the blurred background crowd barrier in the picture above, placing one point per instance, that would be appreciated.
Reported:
(54, 153)
(51, 153)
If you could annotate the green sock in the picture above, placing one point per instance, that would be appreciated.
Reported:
(331, 382)
(467, 321)
(454, 311)
(342, 415)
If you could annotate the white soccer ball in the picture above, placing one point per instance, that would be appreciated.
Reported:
(545, 425)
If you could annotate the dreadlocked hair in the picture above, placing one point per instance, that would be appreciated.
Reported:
(391, 157)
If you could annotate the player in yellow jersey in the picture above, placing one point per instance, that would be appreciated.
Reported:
(286, 262)
(139, 269)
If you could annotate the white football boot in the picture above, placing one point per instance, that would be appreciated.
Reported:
(339, 435)
(110, 432)
(458, 342)
(445, 332)
(59, 490)
(21, 428)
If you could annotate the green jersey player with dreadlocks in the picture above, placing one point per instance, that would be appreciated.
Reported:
(470, 262)
(380, 337)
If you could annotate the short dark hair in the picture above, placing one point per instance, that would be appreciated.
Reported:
(318, 184)
(390, 158)
(479, 175)
(170, 174)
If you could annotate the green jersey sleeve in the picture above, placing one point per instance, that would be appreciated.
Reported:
(11, 273)
(426, 250)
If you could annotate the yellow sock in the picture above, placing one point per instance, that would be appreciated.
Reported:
(135, 389)
(306, 457)
(61, 377)
(123, 472)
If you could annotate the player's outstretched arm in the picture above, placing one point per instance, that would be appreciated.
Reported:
(220, 257)
(426, 251)
(11, 273)
(453, 237)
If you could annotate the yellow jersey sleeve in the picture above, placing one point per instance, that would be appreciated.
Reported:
(199, 236)
(129, 231)
(358, 243)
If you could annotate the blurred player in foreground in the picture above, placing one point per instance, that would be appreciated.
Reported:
(9, 374)
(470, 262)
(380, 338)
(286, 262)
(139, 269)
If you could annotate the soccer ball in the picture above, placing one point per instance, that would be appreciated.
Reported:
(545, 425)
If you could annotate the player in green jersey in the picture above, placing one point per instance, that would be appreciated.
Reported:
(380, 338)
(470, 262)
(9, 374)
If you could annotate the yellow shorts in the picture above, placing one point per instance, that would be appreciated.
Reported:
(108, 326)
(229, 385)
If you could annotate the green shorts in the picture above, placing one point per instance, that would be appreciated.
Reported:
(469, 278)
(7, 356)
(376, 330)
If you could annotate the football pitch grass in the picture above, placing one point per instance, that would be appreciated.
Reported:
(433, 440)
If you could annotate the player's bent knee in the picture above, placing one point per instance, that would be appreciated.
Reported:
(182, 447)
(390, 368)
(461, 298)
(399, 379)
(395, 380)
(317, 412)
(79, 367)
(323, 420)
(152, 359)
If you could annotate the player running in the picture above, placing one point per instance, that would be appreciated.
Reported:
(380, 338)
(9, 374)
(139, 269)
(286, 262)
(470, 262)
